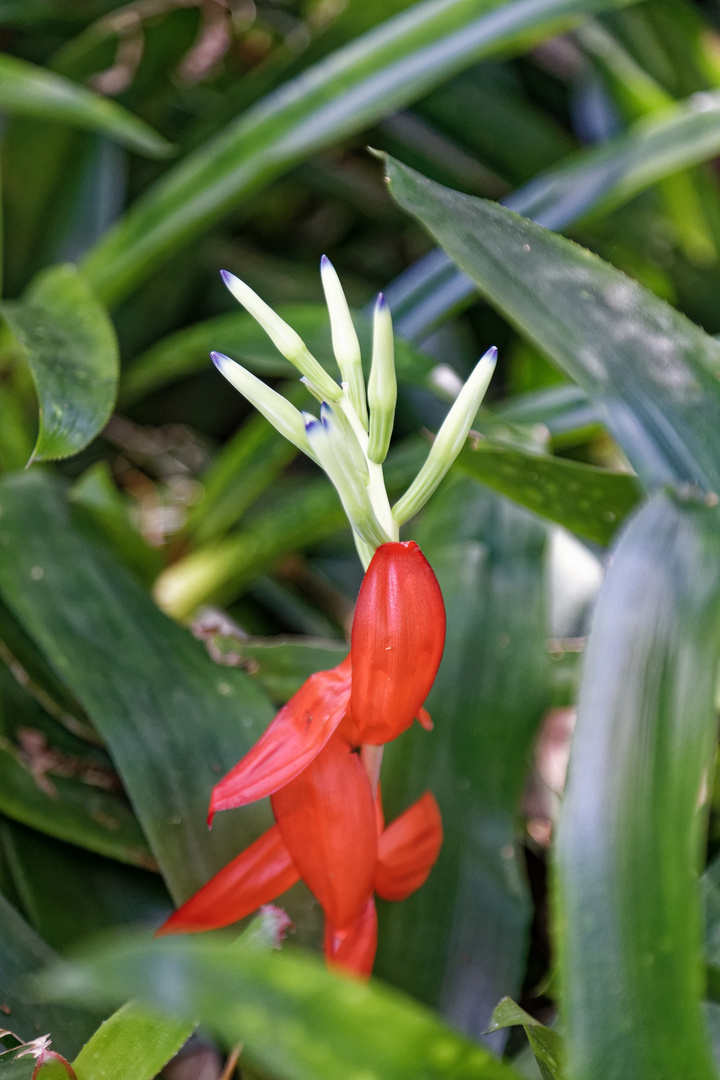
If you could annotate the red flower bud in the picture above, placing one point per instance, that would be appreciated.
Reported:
(398, 636)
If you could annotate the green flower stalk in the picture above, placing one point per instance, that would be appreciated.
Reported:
(350, 440)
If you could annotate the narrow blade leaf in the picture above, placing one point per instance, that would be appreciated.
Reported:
(651, 372)
(28, 90)
(629, 841)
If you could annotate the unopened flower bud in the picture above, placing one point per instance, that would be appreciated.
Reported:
(449, 439)
(382, 386)
(328, 443)
(287, 341)
(274, 407)
(344, 338)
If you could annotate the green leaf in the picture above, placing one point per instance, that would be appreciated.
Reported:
(473, 914)
(54, 781)
(21, 953)
(132, 1044)
(589, 501)
(14, 1068)
(28, 90)
(629, 949)
(280, 665)
(172, 721)
(297, 514)
(588, 183)
(70, 344)
(294, 1018)
(602, 178)
(375, 75)
(652, 374)
(547, 1045)
(68, 893)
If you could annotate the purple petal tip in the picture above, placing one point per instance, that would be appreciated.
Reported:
(381, 302)
(324, 261)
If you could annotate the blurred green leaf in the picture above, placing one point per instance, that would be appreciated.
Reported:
(71, 809)
(299, 512)
(652, 374)
(107, 513)
(173, 721)
(14, 1068)
(239, 336)
(294, 1018)
(345, 93)
(132, 1044)
(280, 665)
(238, 474)
(55, 782)
(21, 953)
(28, 90)
(547, 1045)
(589, 183)
(67, 893)
(564, 410)
(589, 501)
(630, 958)
(473, 914)
(599, 179)
(70, 344)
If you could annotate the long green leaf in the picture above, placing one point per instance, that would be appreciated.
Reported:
(29, 90)
(473, 914)
(628, 927)
(238, 335)
(652, 374)
(21, 953)
(173, 721)
(131, 1045)
(589, 501)
(378, 74)
(294, 1018)
(590, 182)
(296, 515)
(70, 344)
(67, 893)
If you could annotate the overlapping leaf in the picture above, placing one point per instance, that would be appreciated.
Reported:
(371, 77)
(652, 374)
(173, 722)
(294, 1018)
(629, 929)
(28, 90)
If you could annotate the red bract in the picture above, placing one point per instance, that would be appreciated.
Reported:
(398, 636)
(406, 851)
(329, 828)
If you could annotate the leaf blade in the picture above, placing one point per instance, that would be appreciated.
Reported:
(70, 345)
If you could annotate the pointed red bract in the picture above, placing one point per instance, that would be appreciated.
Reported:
(408, 848)
(327, 819)
(354, 949)
(398, 635)
(296, 736)
(255, 877)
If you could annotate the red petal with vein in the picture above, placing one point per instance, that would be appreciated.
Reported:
(408, 848)
(354, 949)
(327, 820)
(398, 636)
(257, 876)
(296, 736)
